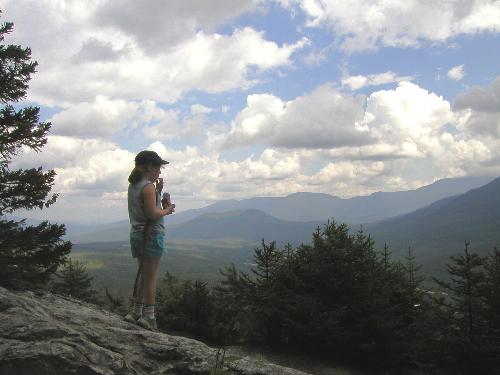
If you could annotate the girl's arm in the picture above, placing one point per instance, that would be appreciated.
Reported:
(153, 212)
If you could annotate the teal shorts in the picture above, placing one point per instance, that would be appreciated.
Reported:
(153, 246)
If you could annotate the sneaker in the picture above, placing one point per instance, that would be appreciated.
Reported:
(149, 324)
(131, 317)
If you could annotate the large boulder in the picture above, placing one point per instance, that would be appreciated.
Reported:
(42, 334)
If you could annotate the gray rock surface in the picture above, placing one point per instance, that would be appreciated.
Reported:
(46, 334)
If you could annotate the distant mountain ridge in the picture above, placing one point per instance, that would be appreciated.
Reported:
(439, 230)
(248, 225)
(303, 207)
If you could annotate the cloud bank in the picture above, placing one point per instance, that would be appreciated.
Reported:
(363, 25)
(241, 110)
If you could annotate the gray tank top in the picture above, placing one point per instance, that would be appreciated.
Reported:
(136, 211)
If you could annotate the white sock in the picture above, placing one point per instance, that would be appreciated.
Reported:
(137, 308)
(149, 311)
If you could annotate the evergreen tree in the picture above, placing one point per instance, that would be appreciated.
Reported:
(233, 298)
(269, 291)
(492, 294)
(466, 290)
(415, 290)
(386, 256)
(184, 305)
(168, 297)
(465, 308)
(74, 281)
(423, 321)
(28, 254)
(196, 306)
(188, 306)
(266, 259)
(288, 252)
(492, 306)
(339, 296)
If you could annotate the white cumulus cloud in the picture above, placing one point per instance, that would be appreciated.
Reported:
(86, 49)
(408, 113)
(457, 73)
(363, 25)
(103, 117)
(323, 118)
(359, 81)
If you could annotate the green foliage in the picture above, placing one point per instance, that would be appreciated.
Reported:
(16, 68)
(492, 292)
(28, 255)
(215, 314)
(471, 334)
(233, 300)
(184, 305)
(336, 296)
(74, 281)
(356, 301)
(492, 309)
(266, 259)
(466, 289)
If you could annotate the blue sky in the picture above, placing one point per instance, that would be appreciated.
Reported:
(259, 97)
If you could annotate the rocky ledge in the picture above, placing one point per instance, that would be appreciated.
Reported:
(41, 333)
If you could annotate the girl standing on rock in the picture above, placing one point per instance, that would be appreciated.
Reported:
(147, 233)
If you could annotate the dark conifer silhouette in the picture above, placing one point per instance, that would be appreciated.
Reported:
(28, 254)
(465, 309)
(466, 290)
(492, 306)
(74, 281)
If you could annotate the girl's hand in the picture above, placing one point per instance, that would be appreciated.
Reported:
(170, 209)
(159, 185)
(165, 201)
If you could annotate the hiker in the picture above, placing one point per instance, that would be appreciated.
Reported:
(147, 233)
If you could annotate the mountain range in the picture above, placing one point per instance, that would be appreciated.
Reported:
(298, 207)
(440, 230)
(250, 225)
(434, 231)
(361, 209)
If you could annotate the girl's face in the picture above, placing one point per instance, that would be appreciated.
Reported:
(153, 173)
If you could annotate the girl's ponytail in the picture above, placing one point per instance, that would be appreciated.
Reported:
(135, 176)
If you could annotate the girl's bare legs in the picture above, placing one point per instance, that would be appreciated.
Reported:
(139, 302)
(140, 284)
(144, 305)
(147, 284)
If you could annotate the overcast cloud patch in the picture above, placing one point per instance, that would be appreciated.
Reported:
(480, 99)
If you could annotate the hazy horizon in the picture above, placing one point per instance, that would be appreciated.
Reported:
(259, 98)
(459, 188)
